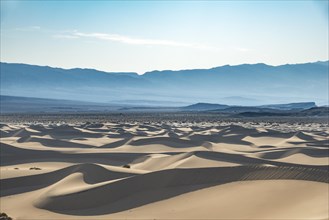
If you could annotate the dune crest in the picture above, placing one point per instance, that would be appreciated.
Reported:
(171, 170)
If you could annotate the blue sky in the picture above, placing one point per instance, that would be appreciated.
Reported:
(142, 36)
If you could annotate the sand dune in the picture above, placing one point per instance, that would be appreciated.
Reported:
(173, 170)
(242, 200)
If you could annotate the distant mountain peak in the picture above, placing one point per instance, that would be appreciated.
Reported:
(260, 83)
(204, 106)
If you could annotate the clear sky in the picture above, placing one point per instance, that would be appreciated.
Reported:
(142, 36)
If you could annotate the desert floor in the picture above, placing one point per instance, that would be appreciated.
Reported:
(176, 169)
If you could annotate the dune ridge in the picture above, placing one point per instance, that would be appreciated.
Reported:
(136, 170)
(198, 177)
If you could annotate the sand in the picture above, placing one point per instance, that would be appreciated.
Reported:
(170, 170)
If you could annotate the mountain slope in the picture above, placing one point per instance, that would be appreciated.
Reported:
(14, 104)
(260, 84)
(290, 106)
(204, 107)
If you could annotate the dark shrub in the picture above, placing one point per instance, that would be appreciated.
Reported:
(4, 216)
(126, 166)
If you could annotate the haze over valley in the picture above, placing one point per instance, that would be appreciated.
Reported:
(246, 84)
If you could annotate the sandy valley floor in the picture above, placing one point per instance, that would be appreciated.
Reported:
(170, 170)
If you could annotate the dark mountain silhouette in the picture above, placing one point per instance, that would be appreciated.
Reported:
(290, 106)
(312, 112)
(247, 84)
(316, 111)
(14, 104)
(204, 107)
(238, 109)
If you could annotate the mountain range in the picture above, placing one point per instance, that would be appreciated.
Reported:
(246, 84)
(14, 104)
(227, 108)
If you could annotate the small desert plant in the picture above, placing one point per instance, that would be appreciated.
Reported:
(126, 166)
(4, 216)
(35, 168)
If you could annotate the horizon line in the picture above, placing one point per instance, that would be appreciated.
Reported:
(87, 68)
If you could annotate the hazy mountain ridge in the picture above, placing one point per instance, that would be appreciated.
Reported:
(239, 109)
(312, 112)
(260, 84)
(204, 107)
(13, 104)
(289, 106)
